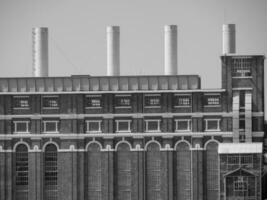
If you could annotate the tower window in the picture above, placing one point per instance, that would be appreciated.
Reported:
(241, 68)
(21, 102)
(123, 101)
(50, 102)
(93, 126)
(93, 101)
(182, 100)
(153, 100)
(21, 126)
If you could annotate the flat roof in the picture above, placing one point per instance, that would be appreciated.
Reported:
(240, 148)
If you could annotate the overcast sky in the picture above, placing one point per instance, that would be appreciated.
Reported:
(77, 31)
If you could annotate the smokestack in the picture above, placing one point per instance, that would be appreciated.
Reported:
(170, 50)
(229, 38)
(40, 52)
(113, 51)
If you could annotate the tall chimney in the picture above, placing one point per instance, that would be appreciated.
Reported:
(229, 38)
(40, 52)
(170, 50)
(113, 50)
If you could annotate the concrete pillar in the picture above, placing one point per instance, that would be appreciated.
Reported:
(170, 50)
(40, 52)
(113, 51)
(229, 39)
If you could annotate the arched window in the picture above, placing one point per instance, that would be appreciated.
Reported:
(124, 169)
(153, 172)
(182, 161)
(94, 171)
(50, 173)
(22, 172)
(212, 170)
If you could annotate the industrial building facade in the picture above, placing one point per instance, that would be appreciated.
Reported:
(134, 137)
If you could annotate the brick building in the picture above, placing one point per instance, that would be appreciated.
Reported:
(134, 137)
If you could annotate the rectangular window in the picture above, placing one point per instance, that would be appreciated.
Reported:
(21, 126)
(212, 124)
(182, 100)
(183, 125)
(50, 126)
(50, 102)
(153, 100)
(212, 100)
(240, 184)
(152, 125)
(242, 124)
(123, 125)
(241, 68)
(123, 101)
(93, 126)
(93, 101)
(21, 102)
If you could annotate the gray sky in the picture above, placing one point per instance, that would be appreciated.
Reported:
(78, 35)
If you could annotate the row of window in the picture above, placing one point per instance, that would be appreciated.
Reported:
(95, 126)
(96, 101)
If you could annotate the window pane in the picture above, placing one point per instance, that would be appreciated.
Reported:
(152, 125)
(50, 102)
(241, 67)
(123, 126)
(50, 126)
(212, 125)
(212, 100)
(21, 126)
(123, 101)
(152, 100)
(183, 125)
(93, 102)
(21, 102)
(182, 101)
(94, 126)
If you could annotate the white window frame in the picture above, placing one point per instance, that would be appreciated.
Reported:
(50, 121)
(218, 124)
(93, 121)
(92, 96)
(152, 95)
(123, 131)
(189, 125)
(48, 108)
(27, 126)
(22, 108)
(152, 120)
(184, 95)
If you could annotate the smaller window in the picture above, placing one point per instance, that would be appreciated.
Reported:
(93, 126)
(212, 125)
(123, 125)
(246, 160)
(183, 125)
(153, 100)
(242, 124)
(240, 185)
(122, 101)
(21, 102)
(212, 100)
(233, 160)
(50, 102)
(50, 126)
(152, 125)
(182, 101)
(93, 101)
(21, 126)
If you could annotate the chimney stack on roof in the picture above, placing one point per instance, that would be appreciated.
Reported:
(170, 50)
(40, 51)
(113, 51)
(229, 39)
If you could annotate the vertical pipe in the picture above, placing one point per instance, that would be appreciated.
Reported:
(229, 39)
(40, 52)
(113, 51)
(170, 50)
